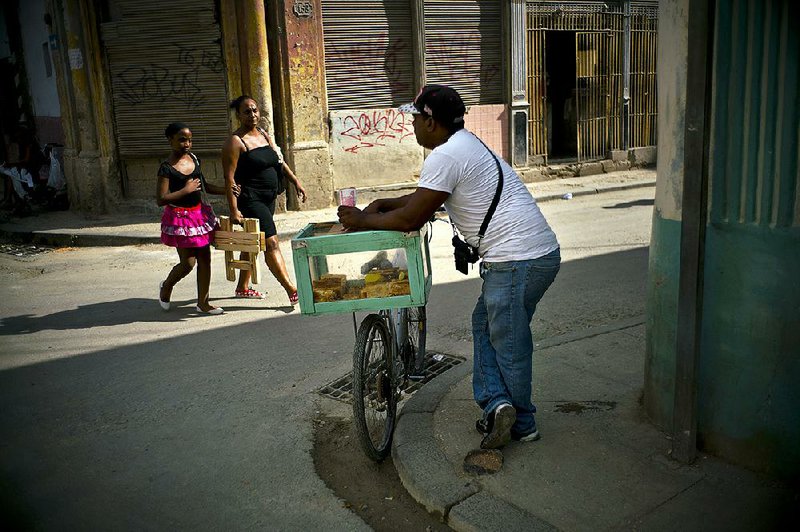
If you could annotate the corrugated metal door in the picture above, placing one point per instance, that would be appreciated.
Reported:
(165, 65)
(368, 53)
(463, 48)
(591, 49)
(537, 92)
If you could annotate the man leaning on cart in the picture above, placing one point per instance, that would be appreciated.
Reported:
(519, 254)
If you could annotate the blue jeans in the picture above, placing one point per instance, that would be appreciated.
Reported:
(501, 334)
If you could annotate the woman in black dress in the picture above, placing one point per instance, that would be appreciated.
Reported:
(251, 160)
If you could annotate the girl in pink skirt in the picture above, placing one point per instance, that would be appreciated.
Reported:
(188, 223)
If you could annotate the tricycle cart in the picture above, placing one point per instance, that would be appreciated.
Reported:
(388, 274)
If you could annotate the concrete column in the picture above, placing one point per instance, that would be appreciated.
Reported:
(254, 56)
(301, 113)
(516, 14)
(662, 287)
(230, 50)
(91, 173)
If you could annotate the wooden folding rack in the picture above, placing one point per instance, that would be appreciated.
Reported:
(249, 239)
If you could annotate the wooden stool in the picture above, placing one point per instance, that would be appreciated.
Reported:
(249, 239)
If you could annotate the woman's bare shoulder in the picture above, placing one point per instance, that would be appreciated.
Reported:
(233, 143)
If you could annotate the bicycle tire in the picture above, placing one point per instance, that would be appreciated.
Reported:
(414, 347)
(374, 383)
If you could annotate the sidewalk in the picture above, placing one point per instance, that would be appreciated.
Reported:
(599, 464)
(68, 228)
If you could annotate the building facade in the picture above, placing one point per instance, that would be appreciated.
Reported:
(544, 82)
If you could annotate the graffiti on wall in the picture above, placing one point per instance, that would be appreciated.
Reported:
(454, 60)
(200, 59)
(392, 53)
(378, 128)
(152, 82)
(138, 84)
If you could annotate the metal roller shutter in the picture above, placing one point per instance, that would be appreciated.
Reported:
(166, 65)
(463, 48)
(368, 53)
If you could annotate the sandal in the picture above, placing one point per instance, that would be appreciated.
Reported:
(250, 293)
(294, 298)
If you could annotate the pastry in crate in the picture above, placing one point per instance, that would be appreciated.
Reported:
(329, 287)
(385, 282)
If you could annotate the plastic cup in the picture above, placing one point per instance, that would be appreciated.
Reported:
(346, 197)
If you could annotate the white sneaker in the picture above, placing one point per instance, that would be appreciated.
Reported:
(505, 416)
(533, 436)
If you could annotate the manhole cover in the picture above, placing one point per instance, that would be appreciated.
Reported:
(341, 389)
(24, 251)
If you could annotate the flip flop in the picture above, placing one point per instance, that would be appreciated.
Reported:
(294, 298)
(216, 311)
(164, 304)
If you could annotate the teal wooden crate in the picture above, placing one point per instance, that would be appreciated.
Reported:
(321, 248)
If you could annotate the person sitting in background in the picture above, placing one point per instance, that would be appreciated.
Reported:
(21, 171)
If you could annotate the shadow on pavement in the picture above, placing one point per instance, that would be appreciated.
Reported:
(214, 427)
(629, 204)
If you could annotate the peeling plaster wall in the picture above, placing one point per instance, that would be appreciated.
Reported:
(304, 106)
(373, 147)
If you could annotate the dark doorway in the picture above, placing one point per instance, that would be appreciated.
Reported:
(562, 124)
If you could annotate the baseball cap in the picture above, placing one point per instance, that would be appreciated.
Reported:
(443, 103)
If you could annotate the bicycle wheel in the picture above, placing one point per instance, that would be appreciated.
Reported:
(374, 394)
(412, 351)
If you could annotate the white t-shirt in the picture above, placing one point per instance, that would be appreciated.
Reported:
(465, 169)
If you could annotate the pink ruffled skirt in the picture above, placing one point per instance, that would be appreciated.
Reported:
(188, 227)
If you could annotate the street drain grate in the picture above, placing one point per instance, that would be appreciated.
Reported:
(24, 251)
(341, 389)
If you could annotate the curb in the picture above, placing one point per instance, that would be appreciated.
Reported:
(45, 238)
(429, 478)
(83, 240)
(598, 190)
(66, 239)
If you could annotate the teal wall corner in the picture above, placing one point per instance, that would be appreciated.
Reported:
(662, 319)
(749, 369)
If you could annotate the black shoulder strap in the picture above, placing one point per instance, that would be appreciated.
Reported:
(264, 133)
(243, 142)
(497, 193)
(197, 167)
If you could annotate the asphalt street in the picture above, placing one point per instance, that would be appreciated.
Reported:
(116, 415)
